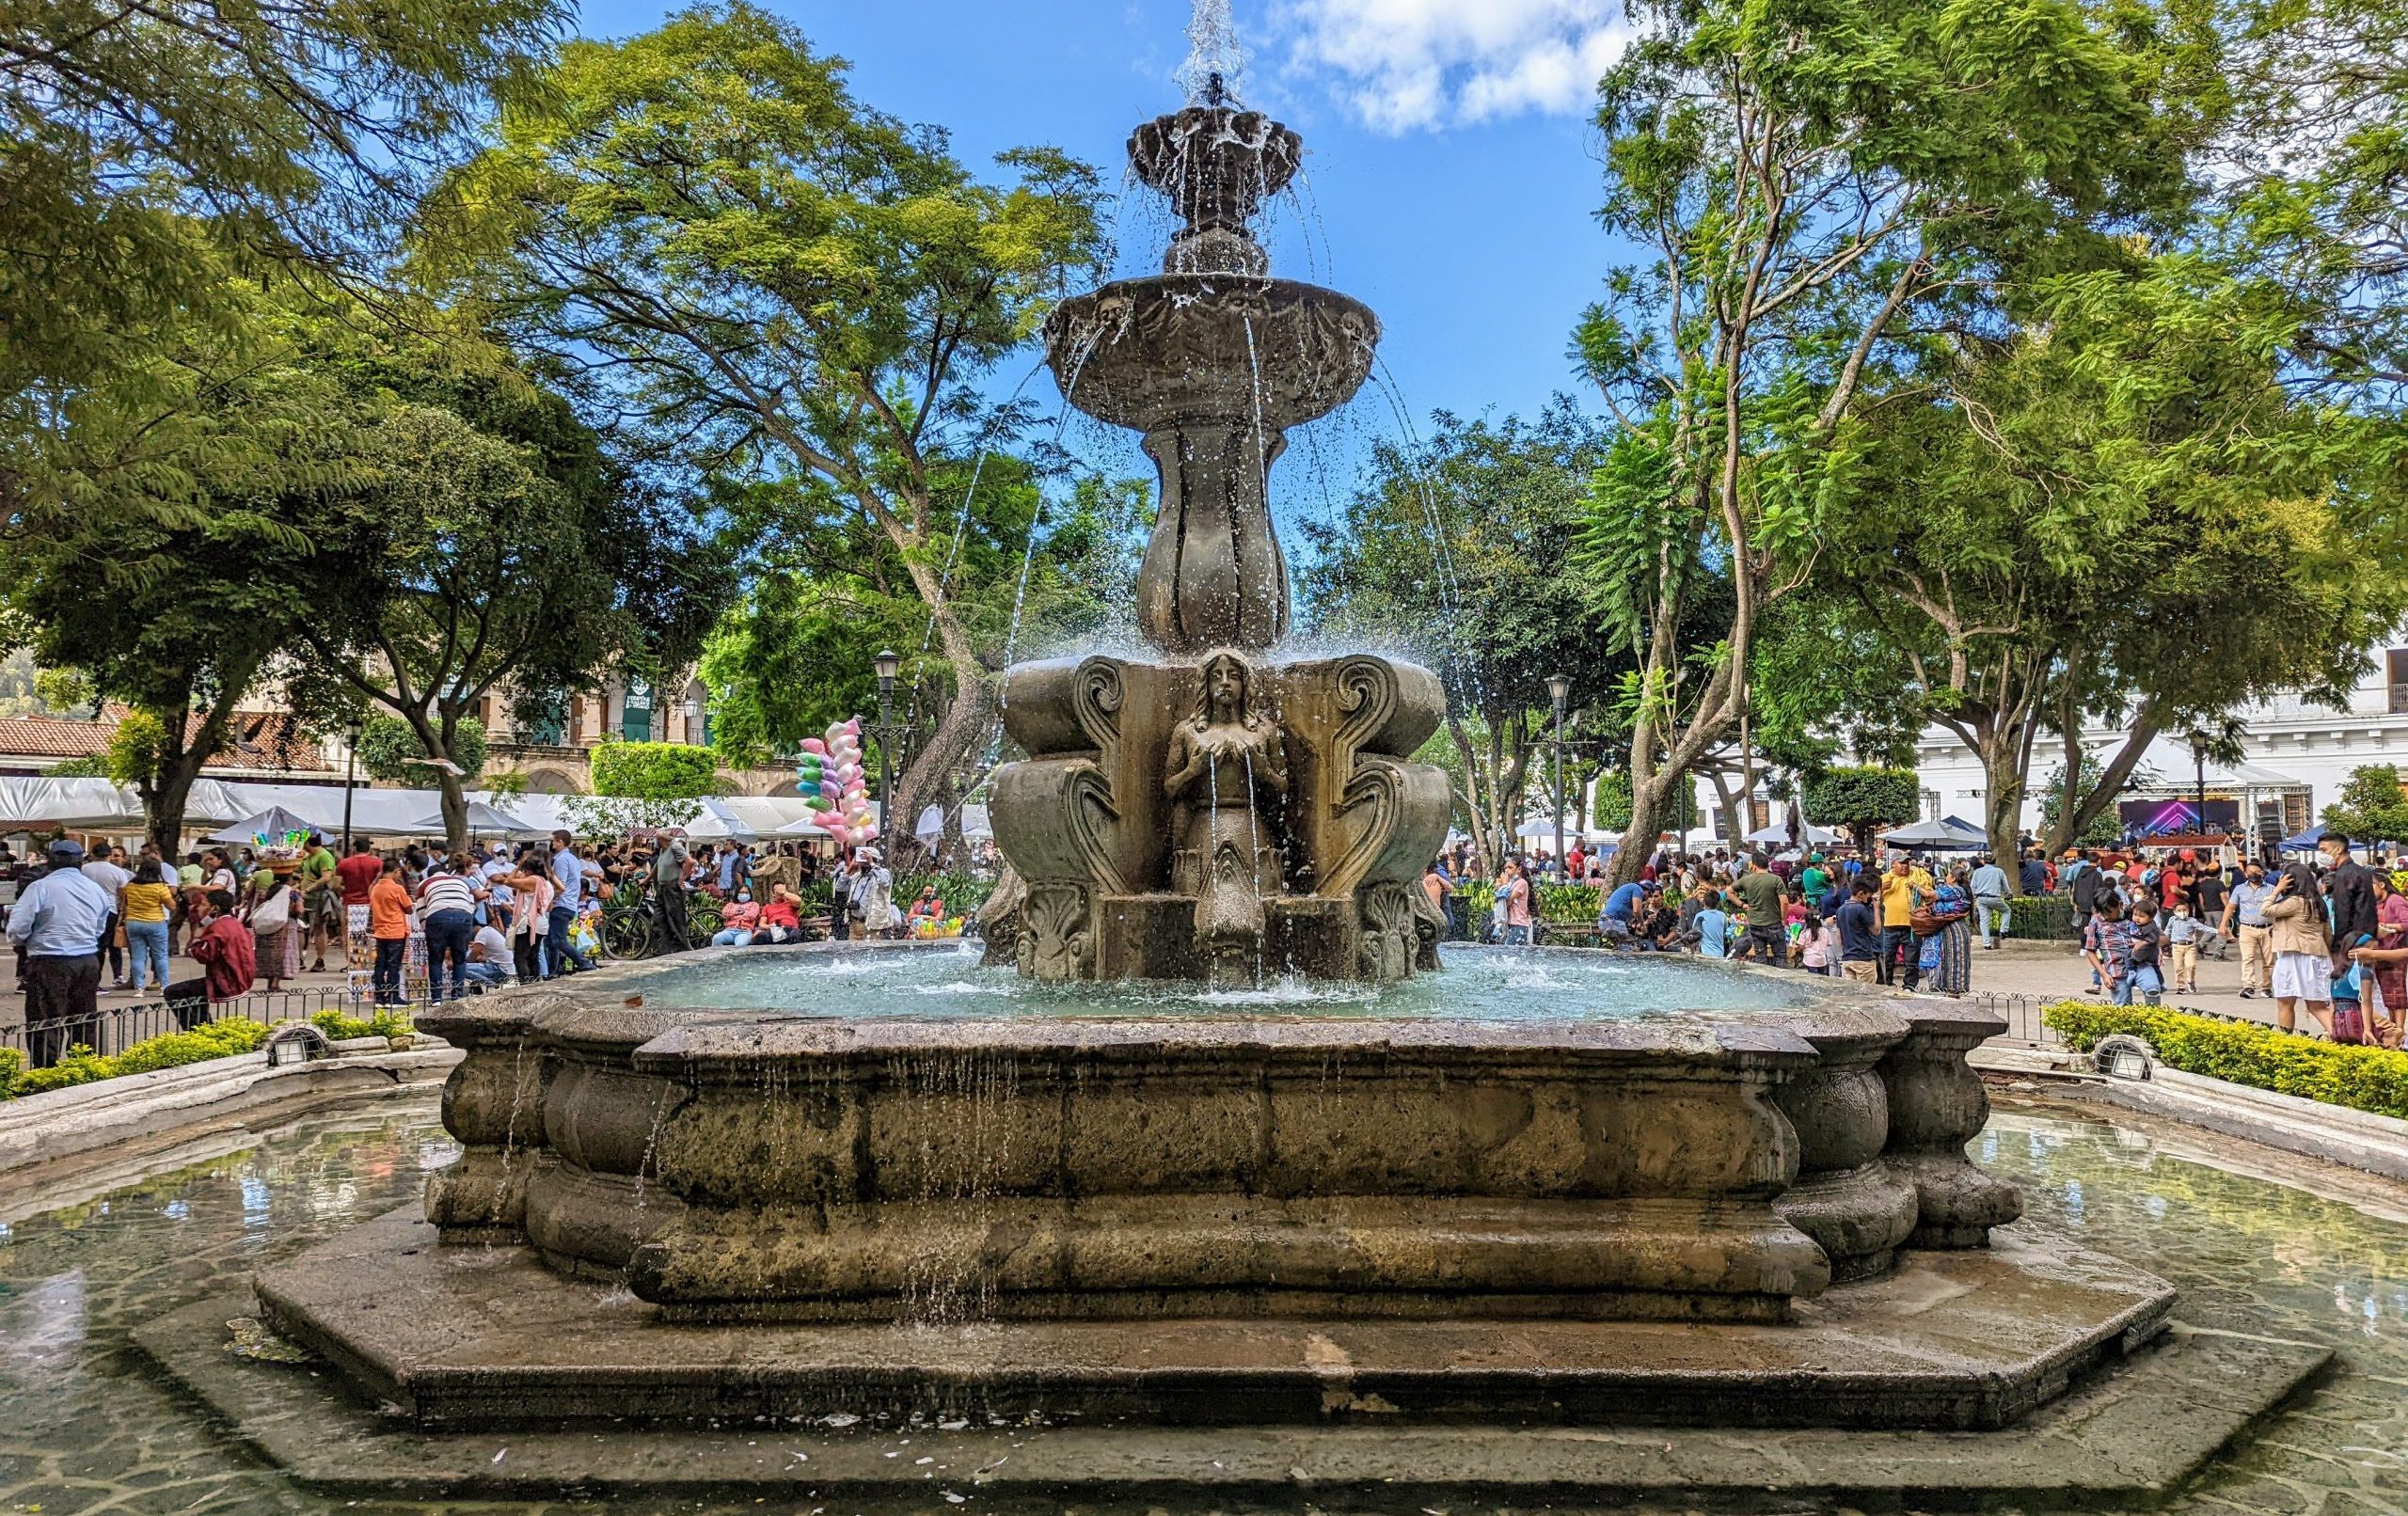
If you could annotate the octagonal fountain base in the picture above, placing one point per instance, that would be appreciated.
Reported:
(1704, 1254)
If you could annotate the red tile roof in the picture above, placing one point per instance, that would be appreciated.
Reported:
(261, 740)
(43, 737)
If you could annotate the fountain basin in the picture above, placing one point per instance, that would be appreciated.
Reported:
(742, 1164)
(1256, 352)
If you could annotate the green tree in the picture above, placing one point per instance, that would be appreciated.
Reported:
(654, 771)
(2121, 513)
(154, 153)
(179, 603)
(1612, 808)
(390, 750)
(775, 281)
(1457, 544)
(507, 553)
(1812, 185)
(2371, 807)
(1863, 800)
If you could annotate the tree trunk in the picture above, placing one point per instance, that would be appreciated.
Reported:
(2006, 759)
(1650, 802)
(2073, 816)
(931, 777)
(1734, 823)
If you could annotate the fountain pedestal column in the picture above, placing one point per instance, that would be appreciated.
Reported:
(1228, 815)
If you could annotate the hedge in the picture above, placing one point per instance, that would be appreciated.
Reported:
(339, 1028)
(82, 1066)
(2049, 918)
(2360, 1077)
(213, 1039)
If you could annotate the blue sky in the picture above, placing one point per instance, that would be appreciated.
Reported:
(1451, 166)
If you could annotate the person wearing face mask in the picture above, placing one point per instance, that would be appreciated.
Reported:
(2349, 889)
(740, 920)
(2244, 921)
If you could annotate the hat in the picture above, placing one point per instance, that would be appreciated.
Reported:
(66, 850)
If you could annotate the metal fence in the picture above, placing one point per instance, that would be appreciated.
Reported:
(118, 1027)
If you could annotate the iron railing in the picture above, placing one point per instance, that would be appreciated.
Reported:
(120, 1027)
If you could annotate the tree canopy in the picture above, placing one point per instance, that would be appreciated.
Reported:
(772, 280)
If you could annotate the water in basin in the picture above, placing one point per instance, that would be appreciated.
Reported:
(86, 1426)
(1478, 983)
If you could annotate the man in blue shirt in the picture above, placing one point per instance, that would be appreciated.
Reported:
(1990, 887)
(56, 926)
(1614, 922)
(1860, 934)
(568, 873)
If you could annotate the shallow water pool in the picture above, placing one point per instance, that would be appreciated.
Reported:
(1478, 983)
(86, 1426)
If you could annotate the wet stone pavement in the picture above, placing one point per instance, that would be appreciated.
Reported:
(86, 1427)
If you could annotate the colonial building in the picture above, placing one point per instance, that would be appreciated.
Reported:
(554, 753)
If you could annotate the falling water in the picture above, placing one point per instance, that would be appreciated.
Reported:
(1254, 860)
(1215, 59)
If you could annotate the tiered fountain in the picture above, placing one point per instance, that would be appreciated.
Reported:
(1595, 1202)
(1221, 814)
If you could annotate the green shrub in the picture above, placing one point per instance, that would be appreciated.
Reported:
(2049, 918)
(82, 1066)
(2362, 1079)
(340, 1027)
(1569, 903)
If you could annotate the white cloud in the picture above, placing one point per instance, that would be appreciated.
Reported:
(1401, 65)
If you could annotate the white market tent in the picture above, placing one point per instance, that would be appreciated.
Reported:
(71, 804)
(1779, 837)
(483, 821)
(38, 803)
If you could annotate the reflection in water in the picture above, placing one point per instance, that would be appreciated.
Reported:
(86, 1426)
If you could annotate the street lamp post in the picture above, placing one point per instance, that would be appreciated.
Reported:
(1559, 689)
(350, 732)
(888, 661)
(2199, 759)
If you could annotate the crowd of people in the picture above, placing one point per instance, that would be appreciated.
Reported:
(2325, 940)
(1897, 920)
(450, 922)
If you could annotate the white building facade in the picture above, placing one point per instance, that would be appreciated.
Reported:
(2297, 756)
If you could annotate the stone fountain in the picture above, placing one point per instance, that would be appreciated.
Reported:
(688, 1239)
(1222, 814)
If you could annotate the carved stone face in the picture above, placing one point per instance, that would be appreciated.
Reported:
(1224, 689)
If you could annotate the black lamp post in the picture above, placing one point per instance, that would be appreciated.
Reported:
(350, 732)
(888, 662)
(2199, 759)
(1559, 689)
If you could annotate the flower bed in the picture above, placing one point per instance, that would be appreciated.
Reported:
(2362, 1079)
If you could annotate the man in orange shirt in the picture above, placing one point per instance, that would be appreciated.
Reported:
(388, 922)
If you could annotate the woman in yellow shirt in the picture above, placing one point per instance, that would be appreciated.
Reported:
(144, 906)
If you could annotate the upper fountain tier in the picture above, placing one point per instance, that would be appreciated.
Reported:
(1213, 359)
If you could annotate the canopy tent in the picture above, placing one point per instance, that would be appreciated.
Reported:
(2306, 841)
(973, 823)
(807, 825)
(67, 804)
(1779, 837)
(484, 819)
(272, 824)
(1947, 833)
